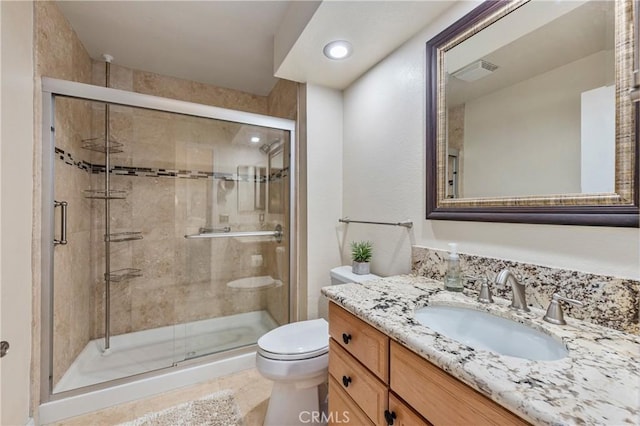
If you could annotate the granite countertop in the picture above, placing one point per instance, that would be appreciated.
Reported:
(597, 384)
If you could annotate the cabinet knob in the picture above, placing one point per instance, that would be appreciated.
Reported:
(389, 416)
(346, 380)
(345, 338)
(4, 348)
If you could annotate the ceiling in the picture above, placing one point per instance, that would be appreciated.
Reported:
(374, 28)
(584, 29)
(232, 44)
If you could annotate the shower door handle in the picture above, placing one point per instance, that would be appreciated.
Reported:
(63, 222)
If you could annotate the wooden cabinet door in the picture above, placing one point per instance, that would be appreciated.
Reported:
(402, 415)
(440, 398)
(342, 409)
(365, 343)
(364, 388)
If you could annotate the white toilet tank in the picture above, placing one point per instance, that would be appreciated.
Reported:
(343, 275)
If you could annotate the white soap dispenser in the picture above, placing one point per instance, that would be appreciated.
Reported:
(453, 278)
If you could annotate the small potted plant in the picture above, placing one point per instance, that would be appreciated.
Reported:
(361, 252)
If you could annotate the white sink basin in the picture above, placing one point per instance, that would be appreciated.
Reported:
(484, 331)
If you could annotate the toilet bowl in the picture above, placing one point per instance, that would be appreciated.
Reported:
(296, 357)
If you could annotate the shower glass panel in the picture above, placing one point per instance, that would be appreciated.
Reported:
(192, 258)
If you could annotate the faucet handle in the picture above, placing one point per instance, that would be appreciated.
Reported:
(485, 291)
(554, 313)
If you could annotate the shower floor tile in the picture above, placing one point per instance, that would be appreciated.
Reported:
(143, 351)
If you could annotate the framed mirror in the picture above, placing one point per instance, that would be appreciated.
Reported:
(529, 117)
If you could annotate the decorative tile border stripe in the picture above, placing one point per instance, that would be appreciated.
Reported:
(68, 159)
(159, 172)
(608, 301)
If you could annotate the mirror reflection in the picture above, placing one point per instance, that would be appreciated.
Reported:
(530, 104)
(251, 188)
(276, 179)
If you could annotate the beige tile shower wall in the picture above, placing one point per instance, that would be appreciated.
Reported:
(283, 100)
(71, 289)
(277, 298)
(59, 54)
(183, 279)
(182, 286)
(175, 88)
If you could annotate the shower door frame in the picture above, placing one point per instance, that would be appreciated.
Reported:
(54, 87)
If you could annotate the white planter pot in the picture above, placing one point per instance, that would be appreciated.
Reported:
(360, 268)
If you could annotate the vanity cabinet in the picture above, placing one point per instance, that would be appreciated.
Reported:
(440, 397)
(376, 381)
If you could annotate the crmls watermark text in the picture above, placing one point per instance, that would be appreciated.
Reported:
(334, 417)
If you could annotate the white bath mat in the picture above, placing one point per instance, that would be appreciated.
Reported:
(218, 409)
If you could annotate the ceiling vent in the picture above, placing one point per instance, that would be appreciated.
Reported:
(475, 70)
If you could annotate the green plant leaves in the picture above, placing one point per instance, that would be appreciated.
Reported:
(361, 251)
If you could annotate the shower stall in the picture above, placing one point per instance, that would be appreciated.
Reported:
(166, 234)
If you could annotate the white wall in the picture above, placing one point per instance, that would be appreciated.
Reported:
(384, 179)
(598, 140)
(506, 150)
(324, 186)
(16, 188)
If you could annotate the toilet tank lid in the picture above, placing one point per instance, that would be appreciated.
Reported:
(344, 273)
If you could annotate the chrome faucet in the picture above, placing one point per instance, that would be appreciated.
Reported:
(518, 300)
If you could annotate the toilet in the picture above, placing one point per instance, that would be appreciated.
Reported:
(296, 357)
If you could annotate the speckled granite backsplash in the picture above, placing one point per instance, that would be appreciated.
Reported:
(608, 301)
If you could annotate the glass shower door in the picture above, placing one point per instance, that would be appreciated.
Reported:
(111, 309)
(234, 251)
(175, 243)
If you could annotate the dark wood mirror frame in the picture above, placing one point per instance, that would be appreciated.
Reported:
(618, 209)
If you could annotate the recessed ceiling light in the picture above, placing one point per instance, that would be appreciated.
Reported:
(255, 139)
(339, 49)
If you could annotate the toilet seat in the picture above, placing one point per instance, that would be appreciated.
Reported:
(292, 357)
(296, 341)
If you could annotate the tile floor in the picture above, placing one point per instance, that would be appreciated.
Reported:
(250, 388)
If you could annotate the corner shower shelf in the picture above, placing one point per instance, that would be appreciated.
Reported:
(123, 274)
(98, 145)
(119, 237)
(101, 194)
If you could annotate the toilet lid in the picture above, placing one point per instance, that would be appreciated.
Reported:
(298, 340)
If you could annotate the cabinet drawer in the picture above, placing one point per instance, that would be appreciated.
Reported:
(365, 343)
(440, 398)
(363, 387)
(342, 409)
(403, 415)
